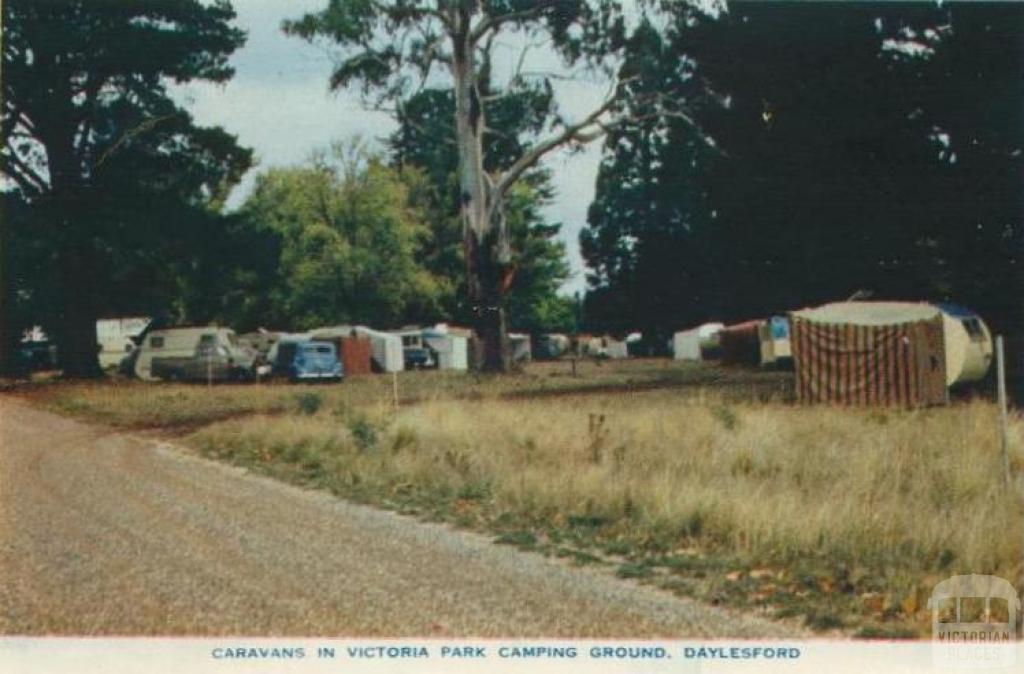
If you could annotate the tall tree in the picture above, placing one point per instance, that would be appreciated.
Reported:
(391, 48)
(426, 140)
(862, 155)
(96, 145)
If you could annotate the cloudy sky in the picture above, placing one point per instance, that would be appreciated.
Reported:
(278, 104)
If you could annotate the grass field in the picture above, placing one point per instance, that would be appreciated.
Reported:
(703, 480)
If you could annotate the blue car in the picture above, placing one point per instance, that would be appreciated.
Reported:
(305, 361)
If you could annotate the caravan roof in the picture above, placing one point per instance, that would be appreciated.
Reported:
(869, 313)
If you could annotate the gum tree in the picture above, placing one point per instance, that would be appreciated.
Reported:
(392, 49)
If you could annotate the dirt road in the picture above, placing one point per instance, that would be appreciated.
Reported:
(107, 533)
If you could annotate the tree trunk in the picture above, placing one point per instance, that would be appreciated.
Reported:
(485, 232)
(486, 296)
(9, 364)
(78, 350)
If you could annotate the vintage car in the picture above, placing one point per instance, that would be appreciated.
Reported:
(306, 360)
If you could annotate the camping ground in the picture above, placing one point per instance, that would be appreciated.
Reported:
(703, 481)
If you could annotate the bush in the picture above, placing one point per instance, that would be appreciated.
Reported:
(364, 433)
(308, 402)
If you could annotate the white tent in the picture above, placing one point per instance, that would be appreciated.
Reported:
(452, 350)
(686, 345)
(553, 345)
(114, 335)
(522, 352)
(613, 348)
(387, 348)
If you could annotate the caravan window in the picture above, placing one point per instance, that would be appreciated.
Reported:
(156, 342)
(973, 328)
(207, 345)
(411, 341)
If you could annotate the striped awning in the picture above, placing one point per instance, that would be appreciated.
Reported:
(868, 363)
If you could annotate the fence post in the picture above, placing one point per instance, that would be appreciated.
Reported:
(394, 388)
(1003, 422)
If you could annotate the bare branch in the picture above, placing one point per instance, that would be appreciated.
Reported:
(596, 125)
(131, 133)
(589, 125)
(23, 174)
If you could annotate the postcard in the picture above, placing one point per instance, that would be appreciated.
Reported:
(511, 336)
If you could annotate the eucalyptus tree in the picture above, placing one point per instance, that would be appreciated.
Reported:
(392, 49)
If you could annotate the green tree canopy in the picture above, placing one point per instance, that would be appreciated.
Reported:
(351, 233)
(392, 49)
(426, 140)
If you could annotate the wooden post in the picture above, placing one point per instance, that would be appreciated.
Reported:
(209, 369)
(394, 389)
(1003, 422)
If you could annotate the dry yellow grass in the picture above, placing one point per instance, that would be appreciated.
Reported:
(873, 505)
(131, 403)
(883, 500)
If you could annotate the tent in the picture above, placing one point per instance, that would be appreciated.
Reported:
(870, 353)
(522, 351)
(741, 343)
(386, 347)
(553, 345)
(697, 343)
(452, 349)
(115, 337)
(614, 348)
(774, 337)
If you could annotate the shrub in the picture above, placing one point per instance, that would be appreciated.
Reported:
(308, 402)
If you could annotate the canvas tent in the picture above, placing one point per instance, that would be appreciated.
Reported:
(870, 353)
(553, 345)
(741, 343)
(452, 349)
(614, 348)
(697, 343)
(114, 335)
(522, 352)
(386, 347)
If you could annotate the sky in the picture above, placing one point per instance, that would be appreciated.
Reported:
(278, 104)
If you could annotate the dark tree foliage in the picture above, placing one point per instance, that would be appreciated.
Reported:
(120, 185)
(873, 147)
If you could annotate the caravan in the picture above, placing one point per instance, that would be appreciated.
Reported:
(193, 353)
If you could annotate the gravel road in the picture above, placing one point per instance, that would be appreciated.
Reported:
(107, 533)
